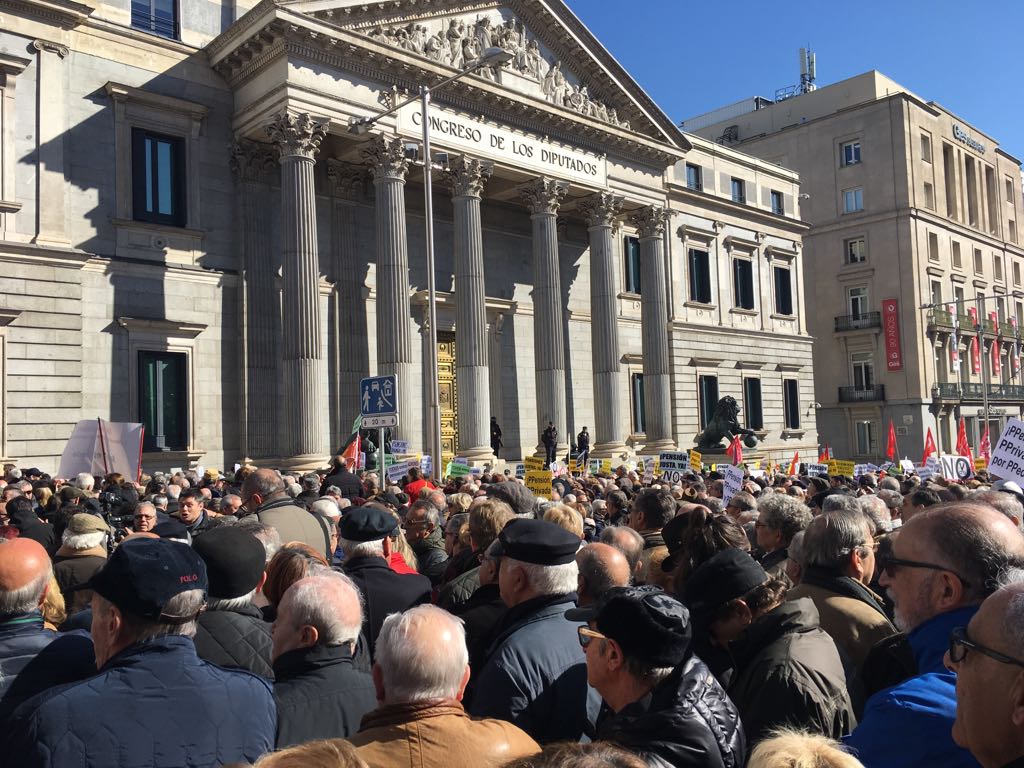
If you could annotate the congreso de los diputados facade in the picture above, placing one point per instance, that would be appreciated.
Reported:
(207, 227)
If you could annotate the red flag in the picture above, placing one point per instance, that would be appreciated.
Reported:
(794, 462)
(962, 446)
(823, 456)
(735, 450)
(890, 448)
(985, 449)
(929, 446)
(828, 452)
(351, 454)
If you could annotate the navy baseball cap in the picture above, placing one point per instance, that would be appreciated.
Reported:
(143, 574)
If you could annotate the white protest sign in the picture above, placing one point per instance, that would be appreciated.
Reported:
(906, 465)
(427, 464)
(520, 469)
(461, 460)
(674, 465)
(399, 446)
(1008, 457)
(733, 483)
(398, 470)
(929, 469)
(816, 470)
(955, 467)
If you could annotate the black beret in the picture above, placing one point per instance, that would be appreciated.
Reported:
(367, 523)
(649, 625)
(235, 560)
(538, 542)
(727, 575)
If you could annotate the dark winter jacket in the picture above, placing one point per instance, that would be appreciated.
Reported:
(320, 694)
(72, 570)
(431, 559)
(30, 526)
(384, 591)
(535, 675)
(456, 592)
(789, 673)
(345, 481)
(237, 639)
(294, 523)
(481, 615)
(65, 659)
(154, 705)
(687, 721)
(21, 638)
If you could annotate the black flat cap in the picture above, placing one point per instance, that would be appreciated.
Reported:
(728, 575)
(234, 559)
(649, 624)
(538, 542)
(367, 523)
(169, 528)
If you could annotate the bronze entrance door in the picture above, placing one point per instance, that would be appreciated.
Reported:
(448, 395)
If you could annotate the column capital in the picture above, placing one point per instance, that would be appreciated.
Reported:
(543, 195)
(346, 179)
(466, 176)
(251, 160)
(297, 135)
(650, 221)
(49, 47)
(385, 155)
(601, 209)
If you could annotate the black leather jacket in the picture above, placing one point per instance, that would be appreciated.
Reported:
(687, 720)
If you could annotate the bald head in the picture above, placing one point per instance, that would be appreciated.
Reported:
(25, 572)
(976, 540)
(601, 567)
(265, 483)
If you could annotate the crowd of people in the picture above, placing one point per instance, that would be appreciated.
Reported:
(337, 619)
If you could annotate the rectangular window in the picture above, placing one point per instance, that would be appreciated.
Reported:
(929, 196)
(1018, 312)
(997, 266)
(933, 246)
(778, 203)
(743, 283)
(158, 17)
(158, 178)
(936, 292)
(707, 391)
(783, 291)
(636, 392)
(865, 438)
(1009, 190)
(753, 415)
(632, 248)
(1012, 231)
(700, 276)
(851, 153)
(694, 177)
(857, 301)
(739, 190)
(791, 401)
(926, 148)
(863, 369)
(855, 250)
(1001, 309)
(163, 400)
(1016, 273)
(957, 261)
(949, 171)
(979, 265)
(853, 200)
(958, 299)
(971, 181)
(992, 198)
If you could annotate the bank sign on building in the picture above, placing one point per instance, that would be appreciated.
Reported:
(194, 237)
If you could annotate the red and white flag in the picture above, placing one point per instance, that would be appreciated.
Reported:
(890, 448)
(929, 446)
(985, 449)
(963, 448)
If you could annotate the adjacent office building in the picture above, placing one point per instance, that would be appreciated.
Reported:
(914, 214)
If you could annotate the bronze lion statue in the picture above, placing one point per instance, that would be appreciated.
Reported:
(724, 425)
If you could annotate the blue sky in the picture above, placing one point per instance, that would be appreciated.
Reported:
(693, 56)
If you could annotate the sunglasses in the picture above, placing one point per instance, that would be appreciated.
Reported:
(586, 634)
(959, 644)
(891, 565)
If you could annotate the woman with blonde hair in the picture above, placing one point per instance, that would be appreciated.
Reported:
(799, 749)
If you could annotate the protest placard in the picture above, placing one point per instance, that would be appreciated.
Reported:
(456, 470)
(398, 470)
(399, 446)
(539, 482)
(733, 483)
(841, 467)
(606, 466)
(1008, 457)
(954, 467)
(816, 470)
(533, 463)
(695, 461)
(674, 465)
(520, 470)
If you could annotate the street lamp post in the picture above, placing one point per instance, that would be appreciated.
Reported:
(360, 125)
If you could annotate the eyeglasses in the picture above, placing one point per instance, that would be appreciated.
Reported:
(586, 634)
(959, 644)
(891, 564)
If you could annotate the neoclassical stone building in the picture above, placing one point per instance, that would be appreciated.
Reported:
(192, 236)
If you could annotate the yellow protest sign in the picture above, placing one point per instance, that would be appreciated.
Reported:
(695, 461)
(606, 466)
(533, 462)
(980, 464)
(840, 467)
(539, 482)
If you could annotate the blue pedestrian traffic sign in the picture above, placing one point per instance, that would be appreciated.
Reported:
(378, 401)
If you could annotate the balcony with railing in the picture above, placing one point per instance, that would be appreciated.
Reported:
(973, 391)
(861, 394)
(859, 322)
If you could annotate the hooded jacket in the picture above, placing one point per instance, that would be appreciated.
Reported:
(687, 721)
(788, 672)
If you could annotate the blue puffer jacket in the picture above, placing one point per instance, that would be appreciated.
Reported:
(921, 708)
(21, 638)
(154, 705)
(535, 675)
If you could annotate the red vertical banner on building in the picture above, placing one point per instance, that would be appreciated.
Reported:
(975, 346)
(891, 327)
(997, 347)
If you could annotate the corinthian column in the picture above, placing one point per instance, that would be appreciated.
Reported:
(467, 178)
(259, 308)
(650, 223)
(600, 211)
(543, 196)
(298, 140)
(388, 164)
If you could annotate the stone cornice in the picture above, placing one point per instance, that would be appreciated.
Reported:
(162, 326)
(127, 93)
(64, 13)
